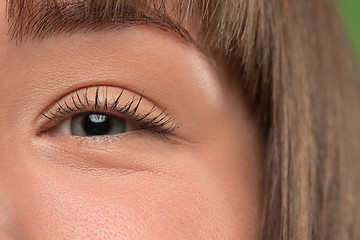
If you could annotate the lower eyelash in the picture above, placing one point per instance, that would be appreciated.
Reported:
(160, 123)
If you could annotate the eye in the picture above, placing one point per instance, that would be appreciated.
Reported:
(94, 124)
(102, 111)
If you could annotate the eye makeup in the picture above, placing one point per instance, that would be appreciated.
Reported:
(106, 100)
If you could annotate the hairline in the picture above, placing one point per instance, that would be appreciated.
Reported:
(45, 19)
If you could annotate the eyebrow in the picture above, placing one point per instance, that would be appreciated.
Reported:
(48, 18)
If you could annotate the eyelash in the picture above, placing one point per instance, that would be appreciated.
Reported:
(161, 123)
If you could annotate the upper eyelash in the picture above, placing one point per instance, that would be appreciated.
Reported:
(160, 123)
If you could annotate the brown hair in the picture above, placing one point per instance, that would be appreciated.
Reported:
(291, 61)
(296, 71)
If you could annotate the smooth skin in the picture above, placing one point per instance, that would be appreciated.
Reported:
(201, 183)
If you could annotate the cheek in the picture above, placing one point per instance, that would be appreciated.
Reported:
(48, 203)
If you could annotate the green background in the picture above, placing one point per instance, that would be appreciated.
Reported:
(350, 14)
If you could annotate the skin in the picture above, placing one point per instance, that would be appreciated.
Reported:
(201, 183)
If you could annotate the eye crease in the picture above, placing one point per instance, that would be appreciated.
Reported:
(103, 110)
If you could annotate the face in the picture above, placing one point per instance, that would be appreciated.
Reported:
(122, 134)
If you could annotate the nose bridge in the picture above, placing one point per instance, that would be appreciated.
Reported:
(5, 222)
(9, 185)
(15, 190)
(5, 204)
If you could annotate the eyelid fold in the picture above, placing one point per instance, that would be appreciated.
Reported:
(113, 100)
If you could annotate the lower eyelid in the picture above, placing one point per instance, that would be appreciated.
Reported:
(118, 153)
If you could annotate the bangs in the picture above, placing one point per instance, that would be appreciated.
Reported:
(220, 22)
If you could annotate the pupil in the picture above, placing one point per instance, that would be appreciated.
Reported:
(96, 124)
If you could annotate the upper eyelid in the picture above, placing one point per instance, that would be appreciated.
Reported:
(126, 103)
(82, 97)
